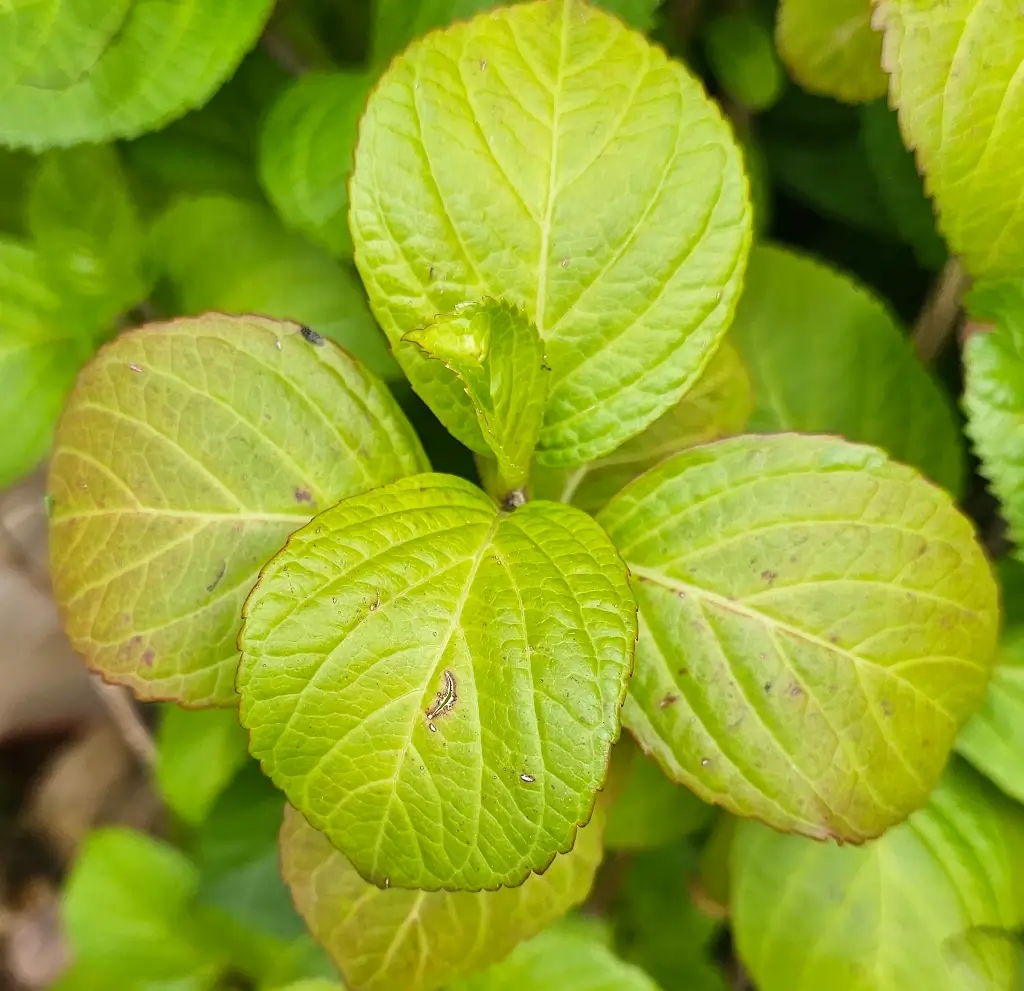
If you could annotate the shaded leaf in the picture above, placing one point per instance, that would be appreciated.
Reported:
(416, 940)
(435, 684)
(741, 52)
(827, 356)
(500, 158)
(789, 588)
(186, 455)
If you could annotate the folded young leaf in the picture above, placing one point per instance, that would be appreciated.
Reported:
(955, 67)
(305, 154)
(816, 624)
(436, 684)
(827, 356)
(994, 394)
(97, 69)
(496, 353)
(892, 914)
(186, 454)
(831, 49)
(399, 940)
(549, 156)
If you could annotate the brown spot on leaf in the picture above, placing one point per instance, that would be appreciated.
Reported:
(217, 577)
(768, 576)
(148, 657)
(312, 336)
(886, 706)
(667, 701)
(767, 687)
(795, 691)
(446, 698)
(303, 495)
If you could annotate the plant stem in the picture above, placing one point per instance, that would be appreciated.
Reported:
(941, 311)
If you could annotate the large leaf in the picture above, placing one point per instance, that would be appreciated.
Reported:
(954, 72)
(547, 155)
(831, 49)
(816, 624)
(417, 940)
(827, 356)
(717, 406)
(186, 455)
(993, 741)
(436, 684)
(90, 70)
(305, 155)
(994, 394)
(887, 916)
(40, 353)
(225, 254)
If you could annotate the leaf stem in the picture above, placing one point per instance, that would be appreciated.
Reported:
(941, 311)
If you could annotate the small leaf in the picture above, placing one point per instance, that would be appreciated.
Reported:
(417, 940)
(742, 55)
(887, 915)
(831, 49)
(197, 754)
(717, 406)
(100, 69)
(435, 684)
(827, 356)
(498, 356)
(508, 157)
(993, 741)
(954, 71)
(561, 959)
(186, 454)
(791, 588)
(87, 233)
(228, 255)
(994, 394)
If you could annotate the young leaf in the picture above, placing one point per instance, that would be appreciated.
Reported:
(955, 67)
(87, 233)
(546, 155)
(40, 353)
(417, 940)
(186, 454)
(436, 684)
(886, 915)
(831, 49)
(994, 394)
(791, 588)
(717, 406)
(561, 959)
(827, 356)
(305, 154)
(197, 754)
(97, 70)
(498, 356)
(224, 254)
(993, 741)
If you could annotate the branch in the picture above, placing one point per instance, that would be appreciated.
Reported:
(941, 311)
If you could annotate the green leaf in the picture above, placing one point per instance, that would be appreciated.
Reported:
(16, 171)
(305, 154)
(561, 960)
(186, 455)
(316, 984)
(91, 70)
(436, 684)
(197, 754)
(652, 810)
(418, 940)
(791, 588)
(717, 406)
(87, 233)
(496, 353)
(994, 394)
(831, 49)
(827, 356)
(39, 357)
(126, 910)
(546, 155)
(993, 741)
(886, 915)
(228, 255)
(741, 53)
(954, 68)
(900, 185)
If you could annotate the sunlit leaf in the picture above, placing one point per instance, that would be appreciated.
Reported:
(186, 455)
(816, 624)
(501, 158)
(436, 684)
